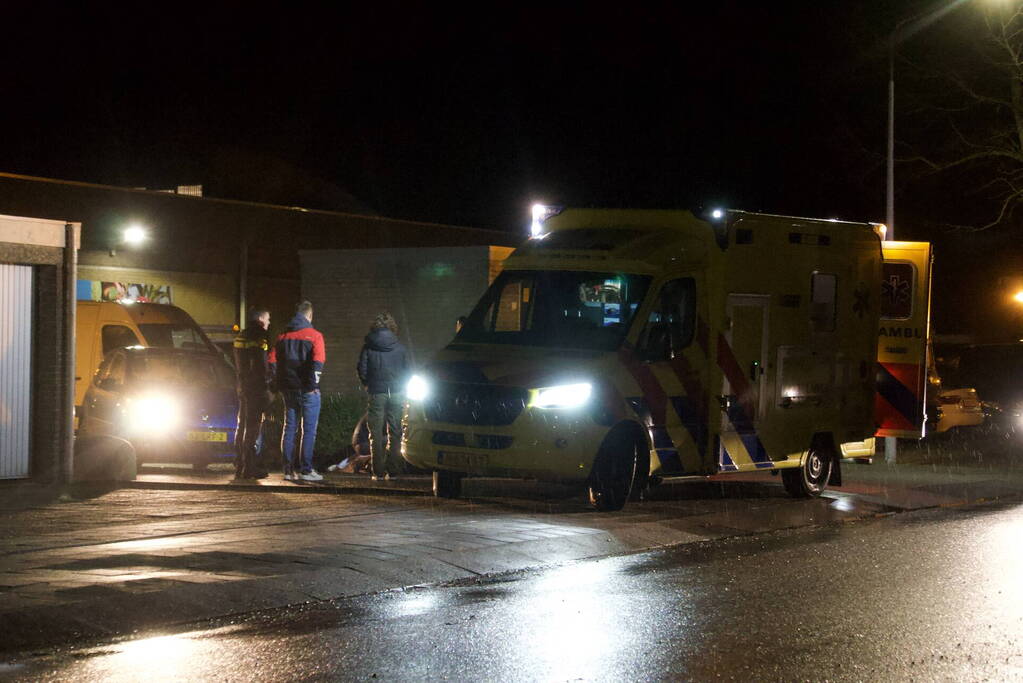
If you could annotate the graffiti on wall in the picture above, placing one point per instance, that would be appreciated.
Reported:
(97, 290)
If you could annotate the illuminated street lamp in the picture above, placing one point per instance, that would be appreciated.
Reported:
(1018, 296)
(906, 28)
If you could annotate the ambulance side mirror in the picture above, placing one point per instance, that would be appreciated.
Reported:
(657, 343)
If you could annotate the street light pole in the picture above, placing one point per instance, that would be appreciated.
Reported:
(916, 23)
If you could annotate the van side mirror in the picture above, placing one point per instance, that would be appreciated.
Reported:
(108, 384)
(657, 345)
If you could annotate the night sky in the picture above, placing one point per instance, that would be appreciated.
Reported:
(467, 116)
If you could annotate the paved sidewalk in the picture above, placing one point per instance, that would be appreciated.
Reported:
(140, 559)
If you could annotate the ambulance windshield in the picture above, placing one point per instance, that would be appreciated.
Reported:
(567, 309)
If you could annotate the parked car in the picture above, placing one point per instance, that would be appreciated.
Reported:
(996, 370)
(173, 405)
(959, 408)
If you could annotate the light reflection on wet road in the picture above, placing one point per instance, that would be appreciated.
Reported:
(930, 595)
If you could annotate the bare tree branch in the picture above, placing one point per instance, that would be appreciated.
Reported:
(1002, 213)
(986, 155)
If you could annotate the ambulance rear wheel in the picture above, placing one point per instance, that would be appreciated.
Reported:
(809, 479)
(613, 473)
(447, 484)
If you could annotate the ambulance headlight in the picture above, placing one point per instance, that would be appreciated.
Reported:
(562, 396)
(417, 389)
(153, 413)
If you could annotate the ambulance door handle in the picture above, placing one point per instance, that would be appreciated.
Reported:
(725, 400)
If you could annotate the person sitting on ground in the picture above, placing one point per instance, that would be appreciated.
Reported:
(357, 455)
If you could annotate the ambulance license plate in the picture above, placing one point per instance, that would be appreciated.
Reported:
(465, 461)
(216, 437)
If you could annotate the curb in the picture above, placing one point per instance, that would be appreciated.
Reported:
(320, 488)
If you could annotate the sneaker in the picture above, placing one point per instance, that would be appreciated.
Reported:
(312, 475)
(387, 477)
(374, 478)
(289, 476)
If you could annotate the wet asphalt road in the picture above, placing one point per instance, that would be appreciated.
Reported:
(934, 595)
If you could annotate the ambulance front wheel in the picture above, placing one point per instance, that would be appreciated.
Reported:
(809, 479)
(614, 471)
(447, 484)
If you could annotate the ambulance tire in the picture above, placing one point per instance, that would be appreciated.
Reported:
(642, 482)
(614, 470)
(809, 479)
(447, 484)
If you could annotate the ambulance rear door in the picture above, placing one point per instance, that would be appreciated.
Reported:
(902, 339)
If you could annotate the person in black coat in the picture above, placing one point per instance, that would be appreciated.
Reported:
(254, 397)
(383, 370)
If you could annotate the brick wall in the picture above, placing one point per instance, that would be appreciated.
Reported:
(49, 369)
(425, 289)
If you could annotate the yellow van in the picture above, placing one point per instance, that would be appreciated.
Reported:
(618, 347)
(102, 326)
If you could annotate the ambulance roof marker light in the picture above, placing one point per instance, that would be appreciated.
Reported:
(882, 230)
(717, 214)
(541, 212)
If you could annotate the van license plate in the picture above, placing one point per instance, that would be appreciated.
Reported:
(466, 461)
(218, 437)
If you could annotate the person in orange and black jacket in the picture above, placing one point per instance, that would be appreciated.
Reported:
(254, 397)
(297, 363)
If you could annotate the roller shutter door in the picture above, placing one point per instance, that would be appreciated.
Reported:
(15, 370)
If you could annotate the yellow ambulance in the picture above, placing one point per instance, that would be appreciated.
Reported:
(618, 347)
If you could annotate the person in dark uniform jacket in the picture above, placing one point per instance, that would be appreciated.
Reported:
(254, 396)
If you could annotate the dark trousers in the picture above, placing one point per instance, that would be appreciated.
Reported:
(250, 423)
(384, 420)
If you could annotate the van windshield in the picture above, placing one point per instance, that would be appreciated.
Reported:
(569, 309)
(174, 336)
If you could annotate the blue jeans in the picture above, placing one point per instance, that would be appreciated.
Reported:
(304, 409)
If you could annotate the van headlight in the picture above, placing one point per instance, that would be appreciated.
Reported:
(417, 389)
(153, 413)
(561, 396)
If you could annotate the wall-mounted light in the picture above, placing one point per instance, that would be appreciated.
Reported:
(134, 234)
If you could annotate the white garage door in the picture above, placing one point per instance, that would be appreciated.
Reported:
(15, 370)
